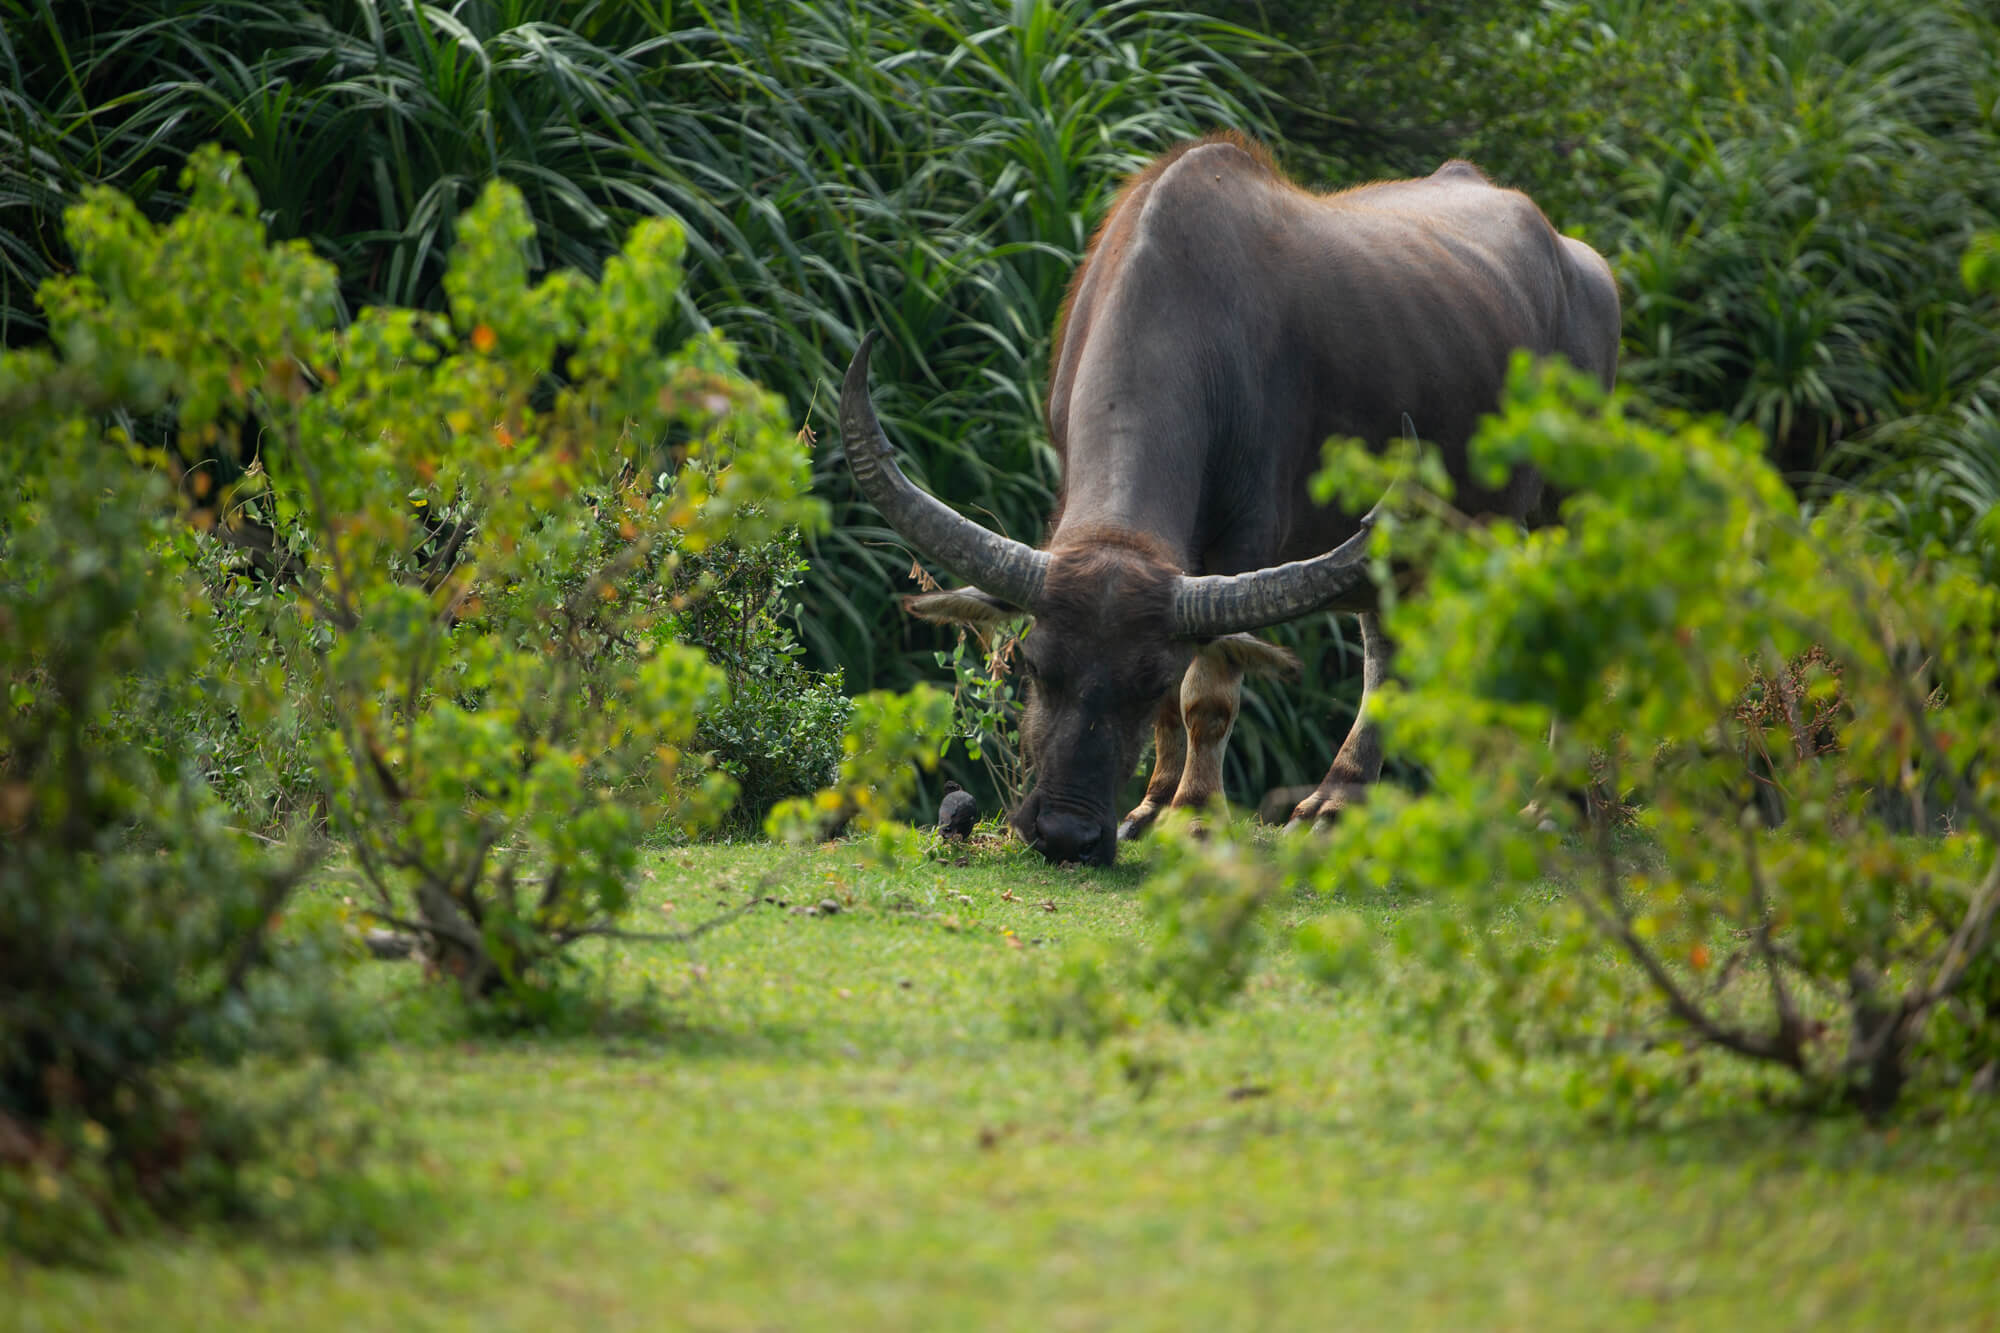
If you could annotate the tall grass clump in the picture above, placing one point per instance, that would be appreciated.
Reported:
(1791, 245)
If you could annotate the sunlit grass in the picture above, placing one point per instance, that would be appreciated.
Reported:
(834, 1127)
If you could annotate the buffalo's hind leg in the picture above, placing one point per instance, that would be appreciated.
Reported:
(1169, 757)
(1211, 697)
(1191, 729)
(1359, 763)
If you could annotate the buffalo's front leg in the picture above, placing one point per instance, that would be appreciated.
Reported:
(1359, 762)
(1169, 753)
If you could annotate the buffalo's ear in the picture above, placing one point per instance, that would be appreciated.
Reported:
(1251, 656)
(961, 606)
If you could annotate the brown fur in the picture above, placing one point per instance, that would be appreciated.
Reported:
(1090, 558)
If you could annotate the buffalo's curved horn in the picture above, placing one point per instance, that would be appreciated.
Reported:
(1000, 565)
(1213, 604)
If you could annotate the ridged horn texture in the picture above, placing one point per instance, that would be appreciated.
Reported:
(1210, 604)
(1000, 565)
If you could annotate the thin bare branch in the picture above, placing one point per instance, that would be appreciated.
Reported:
(1791, 1029)
(664, 937)
(1611, 919)
(1969, 941)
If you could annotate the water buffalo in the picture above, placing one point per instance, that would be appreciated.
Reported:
(1223, 324)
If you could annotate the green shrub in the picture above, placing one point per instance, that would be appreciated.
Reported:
(256, 747)
(474, 548)
(986, 708)
(1939, 473)
(135, 921)
(486, 777)
(778, 733)
(1684, 578)
(890, 739)
(1790, 243)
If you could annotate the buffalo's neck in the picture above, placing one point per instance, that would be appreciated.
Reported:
(1174, 453)
(1143, 428)
(1124, 486)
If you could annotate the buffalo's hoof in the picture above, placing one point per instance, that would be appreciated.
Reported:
(1323, 808)
(1137, 823)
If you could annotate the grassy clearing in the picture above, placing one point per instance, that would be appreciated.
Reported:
(841, 1132)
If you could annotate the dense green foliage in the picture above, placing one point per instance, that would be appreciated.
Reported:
(134, 918)
(1785, 187)
(777, 735)
(470, 612)
(483, 549)
(1796, 707)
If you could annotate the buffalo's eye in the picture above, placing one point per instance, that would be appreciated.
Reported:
(1046, 675)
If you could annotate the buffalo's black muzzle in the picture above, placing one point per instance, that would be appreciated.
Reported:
(1063, 835)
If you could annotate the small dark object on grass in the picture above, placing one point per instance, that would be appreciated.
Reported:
(957, 813)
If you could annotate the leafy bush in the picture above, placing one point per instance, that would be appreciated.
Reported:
(135, 922)
(470, 540)
(256, 747)
(1684, 578)
(1940, 473)
(986, 709)
(778, 733)
(487, 775)
(890, 738)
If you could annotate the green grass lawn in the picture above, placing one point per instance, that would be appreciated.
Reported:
(840, 1132)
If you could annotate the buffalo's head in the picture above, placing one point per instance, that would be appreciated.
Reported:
(1115, 624)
